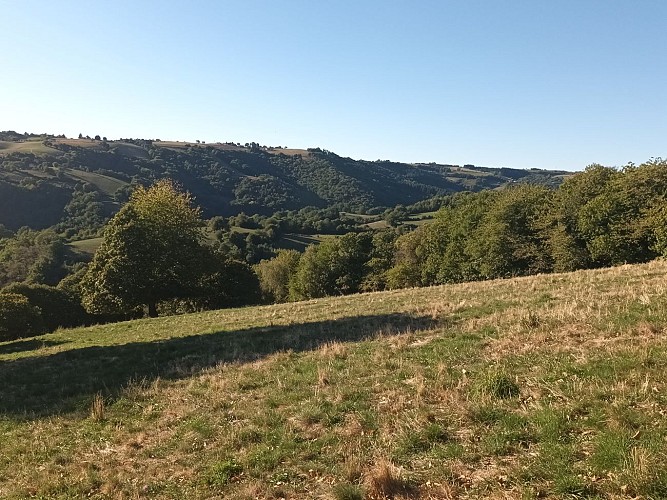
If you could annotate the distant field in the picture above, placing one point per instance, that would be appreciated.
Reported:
(131, 150)
(414, 220)
(35, 147)
(80, 143)
(108, 185)
(301, 241)
(289, 152)
(552, 386)
(379, 224)
(181, 145)
(88, 246)
(293, 241)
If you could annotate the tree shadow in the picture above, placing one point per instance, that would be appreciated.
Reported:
(66, 381)
(22, 345)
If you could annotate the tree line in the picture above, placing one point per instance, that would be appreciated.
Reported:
(157, 257)
(600, 217)
(69, 181)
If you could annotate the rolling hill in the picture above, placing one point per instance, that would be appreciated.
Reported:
(550, 386)
(47, 180)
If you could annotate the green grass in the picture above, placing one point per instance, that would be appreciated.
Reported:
(301, 241)
(107, 185)
(88, 246)
(550, 386)
(30, 146)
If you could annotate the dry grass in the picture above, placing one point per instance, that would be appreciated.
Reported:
(402, 394)
(30, 146)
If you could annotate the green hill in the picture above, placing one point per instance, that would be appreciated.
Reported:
(47, 180)
(550, 386)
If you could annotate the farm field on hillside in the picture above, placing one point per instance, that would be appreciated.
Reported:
(551, 386)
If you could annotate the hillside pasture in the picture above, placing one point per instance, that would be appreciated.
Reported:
(129, 150)
(299, 242)
(290, 152)
(88, 246)
(31, 146)
(550, 386)
(107, 185)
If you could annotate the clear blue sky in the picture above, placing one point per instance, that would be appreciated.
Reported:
(523, 83)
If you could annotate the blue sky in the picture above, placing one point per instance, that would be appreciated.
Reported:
(525, 83)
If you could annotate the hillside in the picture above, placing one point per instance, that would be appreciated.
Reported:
(546, 386)
(47, 180)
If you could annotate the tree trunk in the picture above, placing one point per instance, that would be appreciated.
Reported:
(152, 310)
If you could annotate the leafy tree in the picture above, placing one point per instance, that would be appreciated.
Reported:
(508, 241)
(227, 283)
(335, 267)
(58, 308)
(152, 251)
(380, 260)
(33, 256)
(275, 274)
(618, 223)
(567, 232)
(18, 318)
(395, 217)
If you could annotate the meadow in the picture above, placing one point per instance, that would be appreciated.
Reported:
(550, 386)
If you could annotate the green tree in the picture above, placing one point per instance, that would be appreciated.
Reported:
(508, 241)
(380, 261)
(275, 274)
(152, 251)
(33, 256)
(335, 267)
(58, 308)
(18, 318)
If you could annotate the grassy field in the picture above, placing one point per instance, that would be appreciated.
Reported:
(107, 185)
(551, 386)
(31, 146)
(88, 246)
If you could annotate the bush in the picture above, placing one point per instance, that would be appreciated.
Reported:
(18, 318)
(58, 308)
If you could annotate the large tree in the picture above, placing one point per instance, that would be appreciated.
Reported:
(152, 251)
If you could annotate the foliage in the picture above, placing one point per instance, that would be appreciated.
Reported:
(152, 251)
(58, 308)
(380, 260)
(35, 257)
(18, 318)
(596, 218)
(335, 267)
(275, 274)
(227, 283)
(77, 184)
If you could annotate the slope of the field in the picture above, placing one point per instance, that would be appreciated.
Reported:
(550, 386)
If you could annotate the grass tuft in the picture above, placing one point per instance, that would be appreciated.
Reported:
(221, 473)
(348, 491)
(498, 385)
(385, 480)
(97, 408)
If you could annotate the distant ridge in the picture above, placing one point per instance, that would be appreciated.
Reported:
(42, 176)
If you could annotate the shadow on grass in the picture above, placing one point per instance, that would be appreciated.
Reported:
(27, 345)
(66, 381)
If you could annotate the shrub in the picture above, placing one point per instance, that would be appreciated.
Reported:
(18, 318)
(58, 308)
